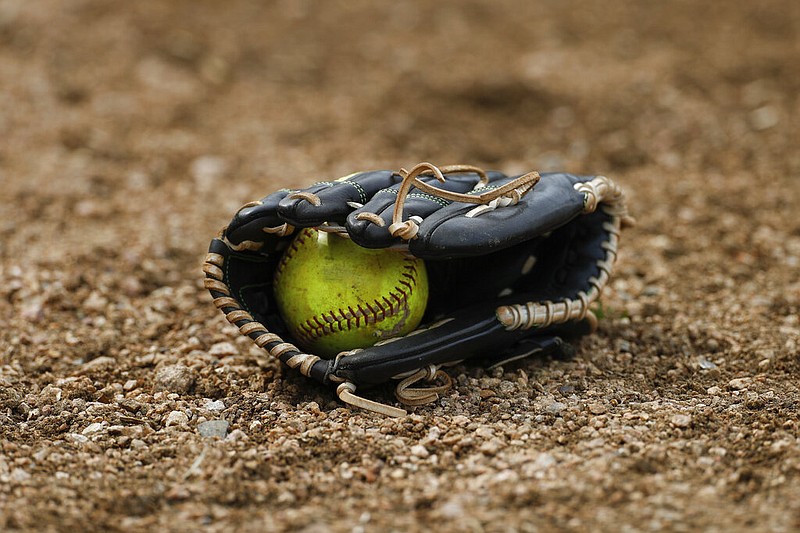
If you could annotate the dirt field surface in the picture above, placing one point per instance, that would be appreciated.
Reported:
(130, 132)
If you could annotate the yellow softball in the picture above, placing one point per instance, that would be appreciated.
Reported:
(335, 296)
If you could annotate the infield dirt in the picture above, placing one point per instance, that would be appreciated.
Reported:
(130, 132)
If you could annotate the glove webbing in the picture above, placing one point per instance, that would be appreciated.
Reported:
(603, 192)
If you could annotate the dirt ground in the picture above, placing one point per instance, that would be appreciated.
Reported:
(130, 132)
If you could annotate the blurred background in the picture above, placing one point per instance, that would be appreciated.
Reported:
(130, 132)
(173, 113)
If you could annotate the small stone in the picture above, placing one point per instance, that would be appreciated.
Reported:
(223, 348)
(651, 290)
(95, 302)
(739, 383)
(130, 385)
(20, 475)
(681, 420)
(705, 364)
(91, 429)
(764, 117)
(77, 437)
(419, 451)
(50, 394)
(452, 509)
(177, 493)
(175, 378)
(99, 363)
(214, 405)
(33, 311)
(460, 420)
(177, 418)
(556, 408)
(597, 408)
(213, 428)
(237, 435)
(714, 391)
(491, 447)
(484, 432)
(131, 286)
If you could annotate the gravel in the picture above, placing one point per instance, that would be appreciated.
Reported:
(132, 131)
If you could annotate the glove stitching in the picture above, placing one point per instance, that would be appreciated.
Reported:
(441, 201)
(362, 194)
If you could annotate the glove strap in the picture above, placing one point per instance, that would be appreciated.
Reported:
(346, 391)
(421, 395)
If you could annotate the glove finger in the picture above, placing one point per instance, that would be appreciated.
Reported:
(257, 221)
(464, 230)
(368, 225)
(330, 201)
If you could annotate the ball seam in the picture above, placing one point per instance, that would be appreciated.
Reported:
(328, 323)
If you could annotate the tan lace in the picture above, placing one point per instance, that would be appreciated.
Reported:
(421, 395)
(407, 230)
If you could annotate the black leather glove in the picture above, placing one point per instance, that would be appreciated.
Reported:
(514, 265)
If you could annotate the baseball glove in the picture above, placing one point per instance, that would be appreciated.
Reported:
(515, 265)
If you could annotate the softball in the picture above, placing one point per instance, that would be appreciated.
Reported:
(335, 296)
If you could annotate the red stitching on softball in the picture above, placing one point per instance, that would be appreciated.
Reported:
(293, 247)
(376, 311)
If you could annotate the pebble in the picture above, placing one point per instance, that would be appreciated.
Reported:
(460, 420)
(739, 383)
(214, 405)
(484, 432)
(420, 451)
(20, 475)
(556, 408)
(95, 302)
(597, 408)
(176, 418)
(764, 117)
(705, 364)
(175, 378)
(681, 420)
(91, 429)
(237, 435)
(213, 428)
(491, 447)
(452, 509)
(223, 348)
(99, 363)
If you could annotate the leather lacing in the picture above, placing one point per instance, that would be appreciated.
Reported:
(491, 198)
(214, 268)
